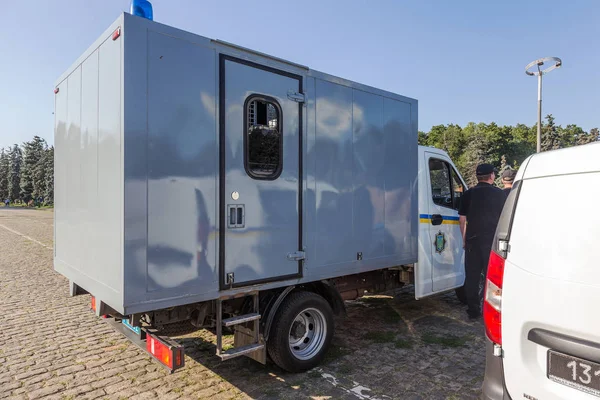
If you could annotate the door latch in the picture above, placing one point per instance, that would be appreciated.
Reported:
(296, 256)
(229, 279)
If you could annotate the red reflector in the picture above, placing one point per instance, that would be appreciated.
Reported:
(56, 91)
(116, 33)
(93, 305)
(169, 356)
(492, 305)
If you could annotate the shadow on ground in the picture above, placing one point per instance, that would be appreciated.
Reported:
(388, 347)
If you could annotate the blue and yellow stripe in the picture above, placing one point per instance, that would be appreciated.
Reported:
(426, 219)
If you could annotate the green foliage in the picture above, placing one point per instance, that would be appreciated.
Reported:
(32, 171)
(27, 172)
(14, 173)
(48, 162)
(4, 168)
(502, 146)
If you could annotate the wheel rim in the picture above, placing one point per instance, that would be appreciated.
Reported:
(307, 334)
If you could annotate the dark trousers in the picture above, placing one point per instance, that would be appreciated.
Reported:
(477, 255)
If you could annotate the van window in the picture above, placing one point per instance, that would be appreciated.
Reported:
(263, 141)
(440, 182)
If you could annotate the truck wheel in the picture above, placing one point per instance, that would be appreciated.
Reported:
(301, 332)
(461, 294)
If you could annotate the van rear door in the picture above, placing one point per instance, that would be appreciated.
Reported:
(551, 290)
(441, 255)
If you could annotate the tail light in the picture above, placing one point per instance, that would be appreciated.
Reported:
(492, 304)
(169, 354)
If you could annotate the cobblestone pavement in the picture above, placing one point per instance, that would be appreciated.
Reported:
(52, 346)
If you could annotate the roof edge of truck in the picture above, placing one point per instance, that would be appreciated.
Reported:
(199, 39)
(90, 50)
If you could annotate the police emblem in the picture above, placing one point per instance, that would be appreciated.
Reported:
(440, 242)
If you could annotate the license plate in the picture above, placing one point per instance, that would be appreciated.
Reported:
(574, 372)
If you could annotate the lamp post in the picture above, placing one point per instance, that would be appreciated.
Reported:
(556, 63)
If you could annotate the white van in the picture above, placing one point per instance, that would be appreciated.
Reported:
(543, 282)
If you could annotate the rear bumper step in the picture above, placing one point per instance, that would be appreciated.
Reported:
(241, 319)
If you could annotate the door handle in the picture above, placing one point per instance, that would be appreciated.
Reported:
(236, 216)
(436, 219)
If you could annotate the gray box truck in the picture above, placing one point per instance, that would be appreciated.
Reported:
(200, 182)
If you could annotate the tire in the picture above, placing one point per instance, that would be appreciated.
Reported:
(461, 294)
(301, 332)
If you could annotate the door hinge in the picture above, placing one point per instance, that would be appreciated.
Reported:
(296, 256)
(295, 96)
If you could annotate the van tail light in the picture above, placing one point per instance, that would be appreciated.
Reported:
(492, 304)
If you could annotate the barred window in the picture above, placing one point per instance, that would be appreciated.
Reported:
(264, 139)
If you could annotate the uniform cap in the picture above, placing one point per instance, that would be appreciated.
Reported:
(485, 169)
(509, 175)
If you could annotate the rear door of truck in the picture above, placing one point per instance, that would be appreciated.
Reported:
(441, 254)
(551, 290)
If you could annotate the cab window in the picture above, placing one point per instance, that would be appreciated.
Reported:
(446, 187)
(440, 183)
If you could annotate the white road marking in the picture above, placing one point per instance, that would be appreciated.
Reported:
(25, 236)
(357, 389)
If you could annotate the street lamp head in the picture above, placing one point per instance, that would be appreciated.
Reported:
(556, 63)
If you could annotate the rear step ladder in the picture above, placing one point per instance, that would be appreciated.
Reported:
(246, 349)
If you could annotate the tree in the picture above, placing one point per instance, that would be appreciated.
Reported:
(551, 137)
(49, 176)
(32, 183)
(4, 162)
(475, 154)
(14, 173)
(586, 138)
(503, 166)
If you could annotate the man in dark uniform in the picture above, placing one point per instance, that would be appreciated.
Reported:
(508, 176)
(479, 213)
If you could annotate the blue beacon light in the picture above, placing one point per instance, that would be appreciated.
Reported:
(141, 8)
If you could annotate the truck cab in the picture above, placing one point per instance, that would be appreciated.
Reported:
(441, 256)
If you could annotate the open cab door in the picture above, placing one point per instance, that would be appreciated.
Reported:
(441, 256)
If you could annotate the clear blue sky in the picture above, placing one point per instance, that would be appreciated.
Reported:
(463, 60)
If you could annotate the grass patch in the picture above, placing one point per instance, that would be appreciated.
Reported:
(403, 344)
(380, 336)
(374, 300)
(446, 341)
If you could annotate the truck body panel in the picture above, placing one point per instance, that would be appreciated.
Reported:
(151, 161)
